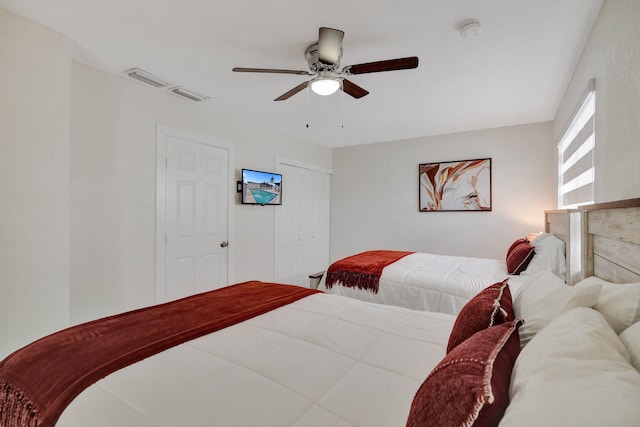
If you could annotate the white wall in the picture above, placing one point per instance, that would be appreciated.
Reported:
(612, 56)
(374, 193)
(34, 181)
(113, 176)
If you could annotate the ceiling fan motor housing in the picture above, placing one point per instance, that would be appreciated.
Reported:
(315, 64)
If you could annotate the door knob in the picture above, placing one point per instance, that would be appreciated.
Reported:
(224, 244)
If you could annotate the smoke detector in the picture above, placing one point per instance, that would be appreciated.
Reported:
(470, 28)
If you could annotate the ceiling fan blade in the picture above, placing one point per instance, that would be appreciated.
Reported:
(353, 89)
(330, 45)
(270, 70)
(292, 92)
(378, 66)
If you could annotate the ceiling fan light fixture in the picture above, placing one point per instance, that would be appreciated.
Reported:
(325, 84)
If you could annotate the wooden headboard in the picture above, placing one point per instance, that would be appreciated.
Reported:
(601, 240)
(611, 241)
(566, 225)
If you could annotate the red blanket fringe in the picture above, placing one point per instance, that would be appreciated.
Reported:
(363, 270)
(38, 381)
(16, 409)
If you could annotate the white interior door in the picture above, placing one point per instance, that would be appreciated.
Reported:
(196, 225)
(302, 224)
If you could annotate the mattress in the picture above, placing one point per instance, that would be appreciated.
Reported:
(430, 282)
(320, 361)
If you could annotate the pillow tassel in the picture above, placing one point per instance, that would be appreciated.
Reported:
(475, 411)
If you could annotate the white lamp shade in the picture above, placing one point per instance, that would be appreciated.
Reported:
(325, 85)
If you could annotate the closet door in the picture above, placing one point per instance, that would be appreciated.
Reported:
(302, 224)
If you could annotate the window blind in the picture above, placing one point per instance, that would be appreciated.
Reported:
(576, 168)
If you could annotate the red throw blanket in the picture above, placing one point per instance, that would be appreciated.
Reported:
(38, 381)
(363, 270)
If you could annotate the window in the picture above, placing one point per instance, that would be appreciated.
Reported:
(576, 169)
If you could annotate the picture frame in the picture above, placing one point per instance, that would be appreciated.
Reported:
(460, 185)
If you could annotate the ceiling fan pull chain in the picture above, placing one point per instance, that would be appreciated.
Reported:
(308, 89)
(342, 104)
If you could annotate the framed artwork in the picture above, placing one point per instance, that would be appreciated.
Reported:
(462, 185)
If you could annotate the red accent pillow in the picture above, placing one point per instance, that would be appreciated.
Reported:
(491, 306)
(514, 244)
(470, 386)
(520, 257)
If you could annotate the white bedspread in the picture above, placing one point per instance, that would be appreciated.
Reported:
(318, 362)
(431, 282)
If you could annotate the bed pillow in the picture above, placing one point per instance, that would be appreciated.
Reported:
(618, 303)
(630, 337)
(519, 257)
(470, 386)
(549, 256)
(514, 245)
(491, 306)
(544, 296)
(575, 372)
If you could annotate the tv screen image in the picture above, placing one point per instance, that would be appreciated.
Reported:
(261, 188)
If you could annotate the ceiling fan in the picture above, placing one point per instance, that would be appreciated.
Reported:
(324, 60)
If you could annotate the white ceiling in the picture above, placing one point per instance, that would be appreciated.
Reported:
(514, 72)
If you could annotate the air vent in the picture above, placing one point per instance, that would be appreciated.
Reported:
(186, 93)
(148, 78)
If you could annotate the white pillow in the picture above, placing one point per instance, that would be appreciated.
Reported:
(545, 296)
(630, 337)
(550, 256)
(575, 372)
(618, 303)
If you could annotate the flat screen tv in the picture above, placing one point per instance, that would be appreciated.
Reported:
(261, 188)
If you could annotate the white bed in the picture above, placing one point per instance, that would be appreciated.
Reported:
(430, 282)
(320, 361)
(442, 283)
(327, 360)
